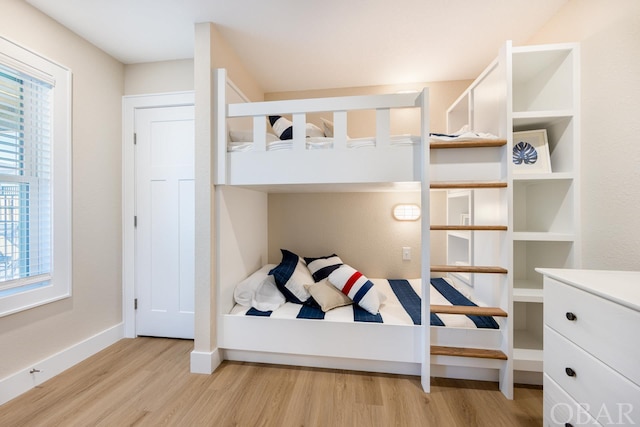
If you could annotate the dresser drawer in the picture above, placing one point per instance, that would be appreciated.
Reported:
(561, 410)
(603, 328)
(608, 396)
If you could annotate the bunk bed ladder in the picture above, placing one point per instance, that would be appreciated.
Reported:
(471, 269)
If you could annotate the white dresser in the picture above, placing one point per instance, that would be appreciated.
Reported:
(591, 347)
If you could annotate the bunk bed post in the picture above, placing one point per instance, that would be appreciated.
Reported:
(425, 259)
(383, 126)
(299, 134)
(259, 133)
(219, 151)
(340, 129)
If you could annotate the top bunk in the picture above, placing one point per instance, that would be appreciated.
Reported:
(249, 153)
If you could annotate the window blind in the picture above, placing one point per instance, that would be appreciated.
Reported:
(25, 178)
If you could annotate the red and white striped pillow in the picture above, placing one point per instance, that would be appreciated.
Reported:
(357, 287)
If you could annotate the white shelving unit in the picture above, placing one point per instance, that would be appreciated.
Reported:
(546, 217)
(531, 88)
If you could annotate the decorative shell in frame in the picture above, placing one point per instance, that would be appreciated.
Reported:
(523, 152)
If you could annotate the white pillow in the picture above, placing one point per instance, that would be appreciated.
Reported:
(328, 127)
(312, 131)
(356, 285)
(244, 292)
(247, 136)
(267, 297)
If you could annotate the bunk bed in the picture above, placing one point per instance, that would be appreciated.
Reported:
(241, 179)
(380, 160)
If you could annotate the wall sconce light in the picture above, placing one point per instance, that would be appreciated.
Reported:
(406, 212)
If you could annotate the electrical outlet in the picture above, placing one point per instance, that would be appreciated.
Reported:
(406, 253)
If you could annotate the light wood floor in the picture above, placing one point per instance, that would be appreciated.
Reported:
(146, 382)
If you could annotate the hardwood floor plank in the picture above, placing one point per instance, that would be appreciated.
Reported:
(146, 382)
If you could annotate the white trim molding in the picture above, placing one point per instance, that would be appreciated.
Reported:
(205, 362)
(32, 376)
(129, 105)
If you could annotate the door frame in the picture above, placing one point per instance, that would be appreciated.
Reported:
(130, 104)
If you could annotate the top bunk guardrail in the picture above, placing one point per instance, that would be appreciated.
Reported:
(381, 159)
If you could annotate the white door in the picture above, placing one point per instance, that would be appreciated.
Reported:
(164, 233)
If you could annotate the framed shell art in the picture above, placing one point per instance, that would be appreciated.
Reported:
(531, 152)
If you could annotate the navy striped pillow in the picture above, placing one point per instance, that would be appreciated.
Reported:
(282, 127)
(321, 267)
(291, 275)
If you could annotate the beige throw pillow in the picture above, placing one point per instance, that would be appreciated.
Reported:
(327, 296)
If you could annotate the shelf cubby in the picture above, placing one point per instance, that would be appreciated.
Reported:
(528, 255)
(545, 206)
(543, 79)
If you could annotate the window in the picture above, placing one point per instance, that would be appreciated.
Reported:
(35, 211)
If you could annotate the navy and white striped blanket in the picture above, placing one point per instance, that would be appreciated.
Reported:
(401, 306)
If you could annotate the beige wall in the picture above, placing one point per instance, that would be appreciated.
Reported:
(222, 56)
(40, 332)
(178, 75)
(358, 227)
(158, 77)
(609, 36)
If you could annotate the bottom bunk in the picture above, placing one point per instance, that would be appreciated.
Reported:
(350, 337)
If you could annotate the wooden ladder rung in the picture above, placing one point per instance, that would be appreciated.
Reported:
(469, 228)
(467, 352)
(469, 144)
(472, 310)
(467, 184)
(467, 269)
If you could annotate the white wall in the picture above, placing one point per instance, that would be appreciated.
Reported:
(38, 333)
(609, 36)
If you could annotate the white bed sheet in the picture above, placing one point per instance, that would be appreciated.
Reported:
(391, 310)
(323, 143)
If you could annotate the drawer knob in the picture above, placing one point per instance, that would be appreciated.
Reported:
(570, 372)
(571, 316)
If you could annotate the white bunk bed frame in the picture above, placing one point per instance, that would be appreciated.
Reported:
(382, 164)
(241, 179)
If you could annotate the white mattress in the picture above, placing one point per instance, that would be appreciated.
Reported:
(323, 143)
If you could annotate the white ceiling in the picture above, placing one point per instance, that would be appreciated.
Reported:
(312, 44)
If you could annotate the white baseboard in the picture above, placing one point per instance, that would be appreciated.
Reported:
(481, 373)
(205, 362)
(22, 381)
(403, 368)
(465, 373)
